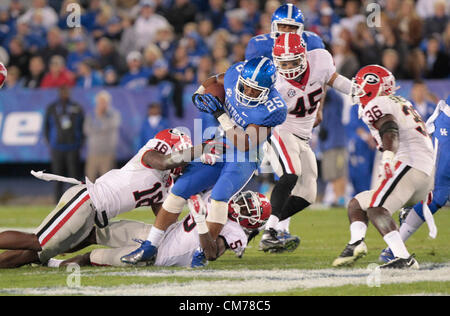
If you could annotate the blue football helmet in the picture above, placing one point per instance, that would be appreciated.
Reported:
(258, 73)
(287, 14)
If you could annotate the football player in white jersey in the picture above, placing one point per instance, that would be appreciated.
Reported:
(144, 181)
(302, 77)
(182, 245)
(406, 169)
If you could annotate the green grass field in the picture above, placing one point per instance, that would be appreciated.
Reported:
(306, 271)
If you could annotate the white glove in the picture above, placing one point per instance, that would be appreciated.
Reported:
(387, 166)
(197, 208)
(209, 159)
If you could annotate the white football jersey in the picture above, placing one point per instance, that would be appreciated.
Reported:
(303, 98)
(181, 240)
(415, 146)
(132, 186)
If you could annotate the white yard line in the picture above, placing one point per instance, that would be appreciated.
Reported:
(243, 281)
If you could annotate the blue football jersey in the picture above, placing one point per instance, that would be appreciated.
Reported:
(262, 45)
(270, 114)
(442, 134)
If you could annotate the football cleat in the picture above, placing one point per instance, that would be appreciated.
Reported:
(403, 214)
(290, 243)
(145, 253)
(386, 255)
(401, 263)
(198, 259)
(351, 253)
(270, 242)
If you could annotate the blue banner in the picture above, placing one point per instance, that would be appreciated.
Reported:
(22, 116)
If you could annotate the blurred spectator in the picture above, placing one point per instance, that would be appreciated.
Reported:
(32, 34)
(63, 130)
(102, 18)
(166, 41)
(236, 24)
(253, 15)
(49, 16)
(221, 66)
(128, 41)
(58, 75)
(438, 21)
(345, 60)
(87, 76)
(204, 69)
(148, 23)
(36, 74)
(415, 66)
(333, 144)
(101, 129)
(237, 53)
(18, 55)
(108, 56)
(216, 13)
(182, 68)
(79, 53)
(16, 9)
(408, 24)
(323, 28)
(55, 45)
(89, 16)
(13, 80)
(365, 45)
(426, 8)
(446, 39)
(110, 77)
(422, 100)
(7, 25)
(352, 16)
(391, 61)
(180, 13)
(137, 75)
(437, 61)
(154, 123)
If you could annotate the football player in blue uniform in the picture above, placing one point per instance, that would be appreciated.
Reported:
(286, 19)
(438, 125)
(251, 109)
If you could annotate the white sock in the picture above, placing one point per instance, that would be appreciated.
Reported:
(272, 222)
(54, 263)
(395, 242)
(155, 236)
(357, 231)
(284, 225)
(411, 225)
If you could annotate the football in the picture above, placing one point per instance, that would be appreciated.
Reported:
(3, 74)
(217, 90)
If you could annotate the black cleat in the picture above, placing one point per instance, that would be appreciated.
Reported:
(401, 263)
(351, 253)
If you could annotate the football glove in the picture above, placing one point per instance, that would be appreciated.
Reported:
(197, 208)
(387, 166)
(207, 103)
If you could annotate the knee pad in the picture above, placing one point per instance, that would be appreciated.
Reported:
(174, 204)
(218, 212)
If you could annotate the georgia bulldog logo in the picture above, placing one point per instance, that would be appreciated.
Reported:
(371, 78)
(291, 93)
(3, 74)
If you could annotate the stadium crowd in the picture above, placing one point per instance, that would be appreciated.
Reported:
(186, 41)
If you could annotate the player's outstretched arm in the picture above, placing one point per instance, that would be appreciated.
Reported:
(340, 83)
(160, 161)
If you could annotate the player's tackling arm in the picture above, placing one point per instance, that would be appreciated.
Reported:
(160, 161)
(244, 140)
(212, 249)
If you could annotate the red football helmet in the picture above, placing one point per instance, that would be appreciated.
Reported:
(177, 140)
(3, 74)
(290, 47)
(250, 209)
(370, 82)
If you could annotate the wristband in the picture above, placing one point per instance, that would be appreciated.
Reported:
(200, 90)
(202, 228)
(225, 121)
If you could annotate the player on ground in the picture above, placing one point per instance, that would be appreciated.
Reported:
(406, 170)
(438, 125)
(301, 80)
(286, 19)
(181, 245)
(252, 108)
(144, 181)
